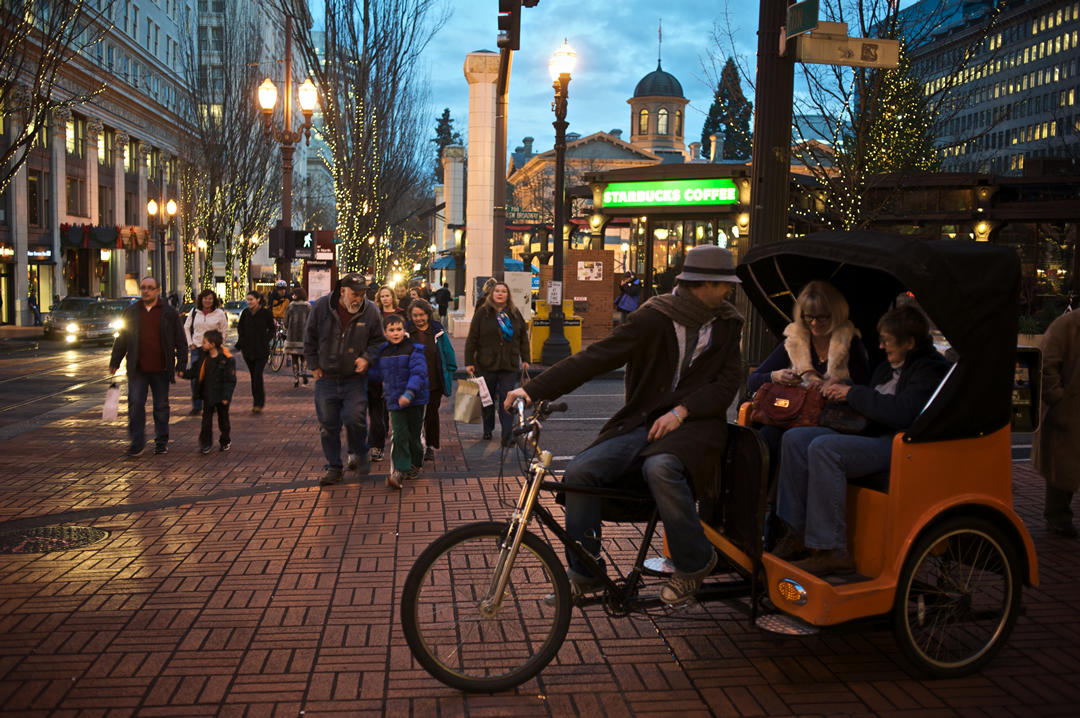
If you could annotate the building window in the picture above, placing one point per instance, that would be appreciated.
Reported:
(678, 123)
(105, 142)
(76, 136)
(661, 121)
(106, 209)
(131, 214)
(643, 122)
(76, 197)
(35, 188)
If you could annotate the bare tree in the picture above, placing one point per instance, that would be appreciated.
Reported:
(38, 39)
(366, 65)
(231, 176)
(841, 112)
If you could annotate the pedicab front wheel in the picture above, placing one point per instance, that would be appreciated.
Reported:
(465, 637)
(277, 354)
(958, 597)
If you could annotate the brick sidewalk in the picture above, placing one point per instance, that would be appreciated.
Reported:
(231, 584)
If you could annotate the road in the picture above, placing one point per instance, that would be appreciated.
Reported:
(47, 381)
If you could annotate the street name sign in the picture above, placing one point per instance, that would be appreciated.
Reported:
(802, 17)
(828, 44)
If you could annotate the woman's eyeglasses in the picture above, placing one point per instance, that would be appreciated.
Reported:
(811, 318)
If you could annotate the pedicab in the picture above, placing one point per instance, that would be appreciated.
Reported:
(938, 548)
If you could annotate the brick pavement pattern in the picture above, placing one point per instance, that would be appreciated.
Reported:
(232, 585)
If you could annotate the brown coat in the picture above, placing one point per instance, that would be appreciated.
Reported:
(1055, 450)
(647, 345)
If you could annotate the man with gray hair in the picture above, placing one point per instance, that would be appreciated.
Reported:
(152, 338)
(339, 345)
(683, 368)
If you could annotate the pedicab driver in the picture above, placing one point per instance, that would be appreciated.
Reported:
(683, 368)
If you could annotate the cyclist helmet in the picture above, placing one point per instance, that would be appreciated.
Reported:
(281, 283)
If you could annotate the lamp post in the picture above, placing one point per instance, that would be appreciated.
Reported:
(556, 346)
(308, 97)
(160, 216)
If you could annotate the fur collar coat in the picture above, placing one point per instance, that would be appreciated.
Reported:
(797, 345)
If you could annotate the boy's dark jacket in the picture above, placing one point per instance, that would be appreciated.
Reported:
(402, 369)
(215, 377)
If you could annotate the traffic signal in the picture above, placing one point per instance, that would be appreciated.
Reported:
(277, 241)
(303, 242)
(510, 24)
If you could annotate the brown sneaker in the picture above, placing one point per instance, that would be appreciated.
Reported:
(682, 587)
(394, 479)
(827, 562)
(789, 548)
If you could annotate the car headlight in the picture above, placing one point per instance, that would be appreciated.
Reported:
(72, 327)
(117, 324)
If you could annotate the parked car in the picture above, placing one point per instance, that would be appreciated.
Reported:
(63, 316)
(234, 309)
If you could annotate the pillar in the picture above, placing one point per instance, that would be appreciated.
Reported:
(58, 194)
(482, 74)
(20, 236)
(142, 220)
(119, 264)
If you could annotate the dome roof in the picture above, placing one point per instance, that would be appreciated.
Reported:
(658, 84)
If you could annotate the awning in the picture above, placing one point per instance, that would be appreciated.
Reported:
(444, 262)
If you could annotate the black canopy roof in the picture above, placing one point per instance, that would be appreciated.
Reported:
(970, 291)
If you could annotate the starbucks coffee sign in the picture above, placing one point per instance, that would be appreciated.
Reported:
(671, 193)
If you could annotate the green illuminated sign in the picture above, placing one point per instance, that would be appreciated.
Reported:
(671, 193)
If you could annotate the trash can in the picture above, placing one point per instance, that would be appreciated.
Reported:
(540, 328)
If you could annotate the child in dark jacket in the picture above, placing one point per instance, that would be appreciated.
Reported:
(402, 367)
(215, 378)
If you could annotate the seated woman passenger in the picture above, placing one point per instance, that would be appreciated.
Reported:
(821, 346)
(816, 462)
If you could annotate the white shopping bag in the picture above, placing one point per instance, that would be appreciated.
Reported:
(112, 403)
(485, 395)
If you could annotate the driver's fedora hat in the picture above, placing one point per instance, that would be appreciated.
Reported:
(708, 263)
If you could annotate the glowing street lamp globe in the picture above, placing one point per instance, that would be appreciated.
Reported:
(170, 208)
(152, 208)
(562, 62)
(309, 96)
(267, 95)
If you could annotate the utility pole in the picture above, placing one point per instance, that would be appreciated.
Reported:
(771, 164)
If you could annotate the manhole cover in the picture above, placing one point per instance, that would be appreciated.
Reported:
(50, 538)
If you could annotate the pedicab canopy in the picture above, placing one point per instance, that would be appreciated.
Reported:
(969, 290)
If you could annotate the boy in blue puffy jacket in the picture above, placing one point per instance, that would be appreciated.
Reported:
(402, 368)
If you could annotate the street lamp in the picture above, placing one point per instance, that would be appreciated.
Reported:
(562, 63)
(308, 97)
(161, 215)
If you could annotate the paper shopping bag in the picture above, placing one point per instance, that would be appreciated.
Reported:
(467, 402)
(112, 403)
(485, 395)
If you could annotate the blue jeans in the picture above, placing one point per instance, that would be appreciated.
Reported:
(499, 384)
(193, 356)
(341, 402)
(603, 465)
(815, 464)
(138, 384)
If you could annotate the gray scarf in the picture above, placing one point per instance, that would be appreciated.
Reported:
(686, 309)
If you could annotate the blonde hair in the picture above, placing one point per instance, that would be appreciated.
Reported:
(378, 295)
(489, 302)
(819, 295)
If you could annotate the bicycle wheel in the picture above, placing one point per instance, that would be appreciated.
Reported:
(958, 597)
(446, 629)
(277, 354)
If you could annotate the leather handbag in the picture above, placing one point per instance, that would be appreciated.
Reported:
(786, 406)
(842, 418)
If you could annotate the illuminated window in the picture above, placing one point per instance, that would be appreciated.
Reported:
(662, 121)
(678, 122)
(643, 122)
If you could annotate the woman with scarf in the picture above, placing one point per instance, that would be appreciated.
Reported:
(498, 349)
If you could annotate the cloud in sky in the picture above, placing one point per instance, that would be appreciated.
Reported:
(616, 44)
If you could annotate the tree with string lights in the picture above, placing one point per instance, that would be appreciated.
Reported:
(729, 116)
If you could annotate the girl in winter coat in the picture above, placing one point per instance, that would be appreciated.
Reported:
(401, 367)
(255, 330)
(206, 314)
(441, 364)
(214, 376)
(296, 317)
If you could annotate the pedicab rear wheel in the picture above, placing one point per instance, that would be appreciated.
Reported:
(277, 354)
(462, 642)
(958, 597)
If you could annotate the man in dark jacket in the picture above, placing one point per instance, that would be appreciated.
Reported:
(153, 341)
(683, 368)
(342, 332)
(441, 298)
